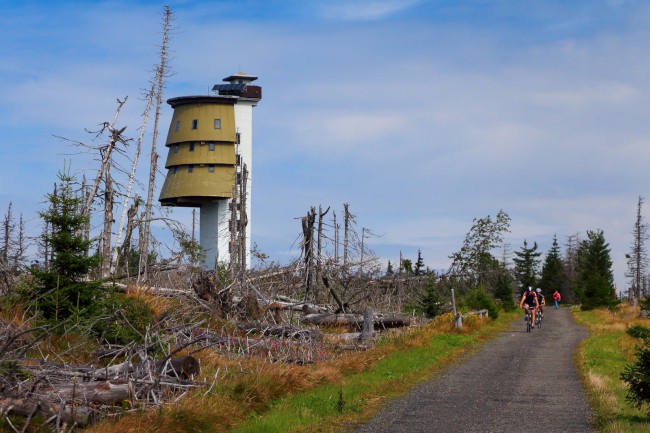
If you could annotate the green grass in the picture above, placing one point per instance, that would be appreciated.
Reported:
(601, 359)
(341, 406)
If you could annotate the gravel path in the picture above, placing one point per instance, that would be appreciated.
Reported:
(500, 388)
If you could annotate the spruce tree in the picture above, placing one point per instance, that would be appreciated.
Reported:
(527, 265)
(62, 289)
(503, 289)
(553, 276)
(419, 264)
(595, 277)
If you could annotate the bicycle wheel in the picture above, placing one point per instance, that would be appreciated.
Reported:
(528, 324)
(538, 319)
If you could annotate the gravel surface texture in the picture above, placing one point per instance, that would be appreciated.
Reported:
(518, 382)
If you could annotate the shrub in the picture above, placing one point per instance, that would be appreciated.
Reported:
(431, 301)
(637, 376)
(480, 299)
(640, 332)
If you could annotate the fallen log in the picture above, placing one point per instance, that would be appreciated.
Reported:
(281, 331)
(103, 392)
(69, 414)
(383, 320)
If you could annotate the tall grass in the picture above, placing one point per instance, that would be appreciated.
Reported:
(601, 358)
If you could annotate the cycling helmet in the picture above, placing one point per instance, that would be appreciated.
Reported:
(538, 290)
(530, 289)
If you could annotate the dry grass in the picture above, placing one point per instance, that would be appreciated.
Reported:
(602, 390)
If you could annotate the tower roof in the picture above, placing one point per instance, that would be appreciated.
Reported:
(242, 77)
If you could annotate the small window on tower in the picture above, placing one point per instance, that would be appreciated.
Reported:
(192, 147)
(190, 168)
(195, 123)
(175, 169)
(217, 123)
(211, 168)
(176, 148)
(211, 146)
(178, 125)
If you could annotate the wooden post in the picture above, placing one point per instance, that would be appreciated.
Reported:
(368, 324)
(458, 318)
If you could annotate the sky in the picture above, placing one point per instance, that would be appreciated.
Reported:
(421, 114)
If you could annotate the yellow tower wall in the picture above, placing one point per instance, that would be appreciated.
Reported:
(201, 156)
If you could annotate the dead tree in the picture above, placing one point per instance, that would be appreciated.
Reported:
(346, 226)
(136, 156)
(308, 249)
(319, 248)
(243, 219)
(108, 223)
(106, 152)
(161, 73)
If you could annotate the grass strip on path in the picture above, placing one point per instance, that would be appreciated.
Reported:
(397, 366)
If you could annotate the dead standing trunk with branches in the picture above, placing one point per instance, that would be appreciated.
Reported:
(308, 250)
(161, 73)
(127, 196)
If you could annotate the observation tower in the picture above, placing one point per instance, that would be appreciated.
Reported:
(209, 165)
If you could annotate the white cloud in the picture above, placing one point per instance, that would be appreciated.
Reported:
(365, 9)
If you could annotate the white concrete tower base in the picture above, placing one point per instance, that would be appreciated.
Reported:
(214, 233)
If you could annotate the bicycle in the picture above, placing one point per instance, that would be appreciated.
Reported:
(529, 319)
(538, 319)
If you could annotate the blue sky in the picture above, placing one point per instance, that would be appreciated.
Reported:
(422, 115)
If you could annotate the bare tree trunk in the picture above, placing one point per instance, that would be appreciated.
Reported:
(108, 223)
(319, 264)
(234, 248)
(116, 136)
(161, 72)
(346, 226)
(130, 225)
(308, 249)
(136, 156)
(193, 225)
(243, 220)
(336, 240)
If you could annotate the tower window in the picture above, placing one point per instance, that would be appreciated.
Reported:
(217, 123)
(195, 123)
(175, 169)
(211, 146)
(178, 125)
(176, 148)
(211, 168)
(192, 147)
(190, 168)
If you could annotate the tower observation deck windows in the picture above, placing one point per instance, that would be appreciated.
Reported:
(190, 168)
(192, 147)
(195, 123)
(211, 147)
(217, 123)
(211, 168)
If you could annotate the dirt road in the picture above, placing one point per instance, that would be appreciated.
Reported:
(501, 387)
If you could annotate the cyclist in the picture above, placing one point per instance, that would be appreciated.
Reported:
(542, 301)
(529, 302)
